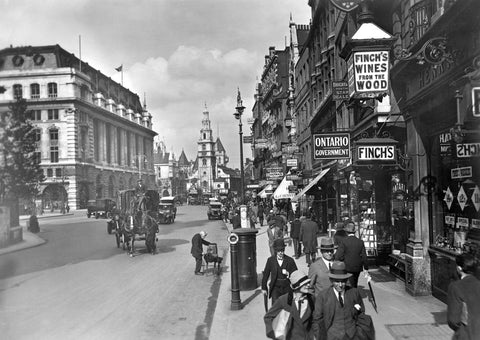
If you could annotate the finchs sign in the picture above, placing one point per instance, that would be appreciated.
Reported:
(368, 74)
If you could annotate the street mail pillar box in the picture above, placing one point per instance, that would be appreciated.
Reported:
(247, 258)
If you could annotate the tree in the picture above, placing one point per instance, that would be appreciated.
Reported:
(20, 170)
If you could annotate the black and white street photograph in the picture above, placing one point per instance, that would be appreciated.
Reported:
(240, 169)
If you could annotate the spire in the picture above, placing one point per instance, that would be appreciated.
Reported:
(145, 101)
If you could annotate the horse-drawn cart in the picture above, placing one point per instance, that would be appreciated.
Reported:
(136, 218)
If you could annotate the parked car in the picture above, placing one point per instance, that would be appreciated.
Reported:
(102, 207)
(214, 211)
(167, 210)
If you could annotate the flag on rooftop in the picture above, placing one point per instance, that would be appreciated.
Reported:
(120, 68)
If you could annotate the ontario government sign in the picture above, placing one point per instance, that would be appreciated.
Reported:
(335, 145)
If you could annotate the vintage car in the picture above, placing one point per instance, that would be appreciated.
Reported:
(102, 207)
(214, 211)
(167, 209)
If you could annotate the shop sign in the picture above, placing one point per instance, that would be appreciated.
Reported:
(292, 162)
(368, 74)
(247, 139)
(273, 173)
(340, 90)
(475, 223)
(293, 178)
(462, 198)
(476, 198)
(468, 150)
(290, 148)
(464, 172)
(376, 152)
(448, 198)
(331, 146)
(445, 144)
(450, 220)
(253, 186)
(462, 222)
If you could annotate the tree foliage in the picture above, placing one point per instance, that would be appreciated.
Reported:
(20, 170)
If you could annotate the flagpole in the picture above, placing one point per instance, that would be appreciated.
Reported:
(122, 74)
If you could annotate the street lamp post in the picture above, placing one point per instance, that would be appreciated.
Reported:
(238, 115)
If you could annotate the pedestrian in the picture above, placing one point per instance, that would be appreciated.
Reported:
(261, 212)
(338, 308)
(278, 269)
(295, 235)
(318, 271)
(463, 297)
(352, 251)
(340, 233)
(308, 236)
(198, 241)
(236, 220)
(252, 216)
(299, 303)
(274, 232)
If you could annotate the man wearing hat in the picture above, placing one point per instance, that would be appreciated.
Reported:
(318, 271)
(337, 308)
(299, 303)
(278, 268)
(351, 250)
(198, 241)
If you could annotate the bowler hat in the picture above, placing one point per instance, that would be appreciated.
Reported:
(338, 271)
(278, 244)
(326, 243)
(298, 279)
(349, 226)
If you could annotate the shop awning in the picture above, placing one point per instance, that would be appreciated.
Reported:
(266, 191)
(282, 191)
(311, 184)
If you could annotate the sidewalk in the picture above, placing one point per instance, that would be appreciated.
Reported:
(400, 315)
(29, 239)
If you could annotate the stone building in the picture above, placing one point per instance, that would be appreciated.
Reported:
(94, 136)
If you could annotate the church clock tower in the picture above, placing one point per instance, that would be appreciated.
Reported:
(206, 155)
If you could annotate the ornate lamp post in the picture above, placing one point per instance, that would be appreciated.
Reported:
(238, 115)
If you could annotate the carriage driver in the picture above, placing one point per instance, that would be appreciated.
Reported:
(198, 241)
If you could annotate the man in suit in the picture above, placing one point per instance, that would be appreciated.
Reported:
(351, 250)
(318, 271)
(295, 235)
(278, 268)
(197, 250)
(300, 305)
(337, 308)
(463, 307)
(308, 236)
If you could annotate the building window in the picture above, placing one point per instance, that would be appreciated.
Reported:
(53, 114)
(52, 90)
(54, 134)
(54, 154)
(37, 157)
(34, 91)
(17, 91)
(37, 133)
(49, 172)
(36, 115)
(58, 172)
(204, 147)
(204, 161)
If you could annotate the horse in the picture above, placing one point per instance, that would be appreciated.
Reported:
(138, 220)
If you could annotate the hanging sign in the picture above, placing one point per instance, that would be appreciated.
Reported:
(376, 152)
(464, 172)
(450, 220)
(368, 74)
(273, 173)
(462, 198)
(340, 90)
(468, 150)
(345, 5)
(462, 222)
(448, 198)
(331, 146)
(476, 198)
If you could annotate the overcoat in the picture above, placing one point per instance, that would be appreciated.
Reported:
(351, 250)
(318, 275)
(197, 242)
(308, 235)
(463, 311)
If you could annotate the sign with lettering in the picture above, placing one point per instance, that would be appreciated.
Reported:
(475, 223)
(292, 162)
(468, 150)
(331, 146)
(376, 152)
(247, 139)
(274, 173)
(462, 222)
(368, 76)
(462, 198)
(464, 172)
(450, 220)
(340, 90)
(445, 141)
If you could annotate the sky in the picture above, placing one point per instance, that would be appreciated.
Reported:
(182, 55)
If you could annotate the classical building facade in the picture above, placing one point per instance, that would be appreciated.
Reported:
(94, 136)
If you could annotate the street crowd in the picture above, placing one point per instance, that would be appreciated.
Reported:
(325, 303)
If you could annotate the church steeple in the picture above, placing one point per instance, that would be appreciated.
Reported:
(206, 154)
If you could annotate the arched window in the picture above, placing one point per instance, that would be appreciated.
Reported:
(52, 90)
(34, 91)
(17, 91)
(204, 161)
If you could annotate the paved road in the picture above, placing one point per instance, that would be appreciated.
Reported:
(78, 285)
